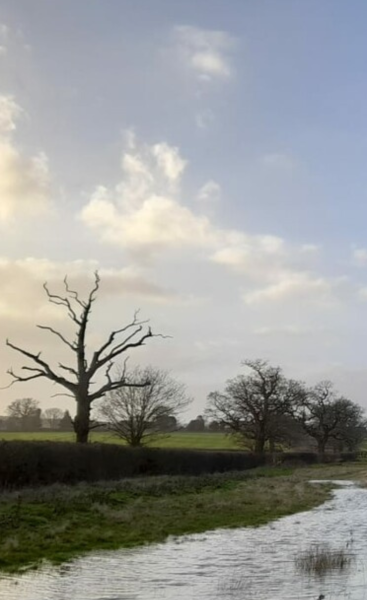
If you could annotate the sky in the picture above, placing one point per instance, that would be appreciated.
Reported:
(209, 159)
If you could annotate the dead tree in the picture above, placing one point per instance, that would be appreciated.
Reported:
(79, 379)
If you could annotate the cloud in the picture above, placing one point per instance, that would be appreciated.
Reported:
(204, 118)
(293, 286)
(145, 214)
(24, 180)
(250, 253)
(209, 192)
(9, 112)
(29, 275)
(359, 257)
(205, 52)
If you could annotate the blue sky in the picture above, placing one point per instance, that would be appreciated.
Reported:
(209, 158)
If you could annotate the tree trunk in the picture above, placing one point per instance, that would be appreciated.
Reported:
(259, 445)
(81, 421)
(321, 444)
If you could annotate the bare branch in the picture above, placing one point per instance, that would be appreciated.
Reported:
(60, 301)
(134, 323)
(46, 328)
(18, 378)
(68, 369)
(47, 371)
(73, 293)
(124, 347)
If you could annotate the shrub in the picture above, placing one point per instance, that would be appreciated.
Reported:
(34, 463)
(28, 463)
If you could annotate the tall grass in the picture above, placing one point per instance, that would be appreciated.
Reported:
(320, 559)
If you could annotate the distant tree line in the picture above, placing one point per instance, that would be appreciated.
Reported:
(263, 408)
(25, 415)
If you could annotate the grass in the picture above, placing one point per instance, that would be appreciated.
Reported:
(320, 560)
(204, 441)
(60, 522)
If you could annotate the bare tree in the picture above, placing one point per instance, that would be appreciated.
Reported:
(24, 407)
(25, 414)
(79, 378)
(253, 405)
(135, 413)
(325, 416)
(53, 417)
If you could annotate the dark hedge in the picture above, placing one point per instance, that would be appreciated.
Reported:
(33, 463)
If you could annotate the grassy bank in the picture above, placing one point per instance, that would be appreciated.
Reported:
(61, 522)
(203, 441)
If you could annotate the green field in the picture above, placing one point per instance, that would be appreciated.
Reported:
(204, 441)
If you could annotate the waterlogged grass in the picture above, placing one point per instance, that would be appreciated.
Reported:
(60, 522)
(320, 559)
(204, 441)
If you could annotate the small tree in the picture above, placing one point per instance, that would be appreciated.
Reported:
(325, 416)
(25, 414)
(352, 430)
(196, 425)
(253, 405)
(53, 416)
(66, 422)
(80, 376)
(135, 413)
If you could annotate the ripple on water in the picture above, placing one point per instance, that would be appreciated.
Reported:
(241, 564)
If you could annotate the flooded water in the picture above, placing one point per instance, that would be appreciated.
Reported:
(241, 564)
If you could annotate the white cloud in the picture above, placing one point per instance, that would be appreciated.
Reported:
(257, 256)
(9, 112)
(205, 52)
(159, 224)
(145, 215)
(24, 180)
(169, 162)
(293, 286)
(209, 192)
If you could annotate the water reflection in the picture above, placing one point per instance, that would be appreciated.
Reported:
(242, 564)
